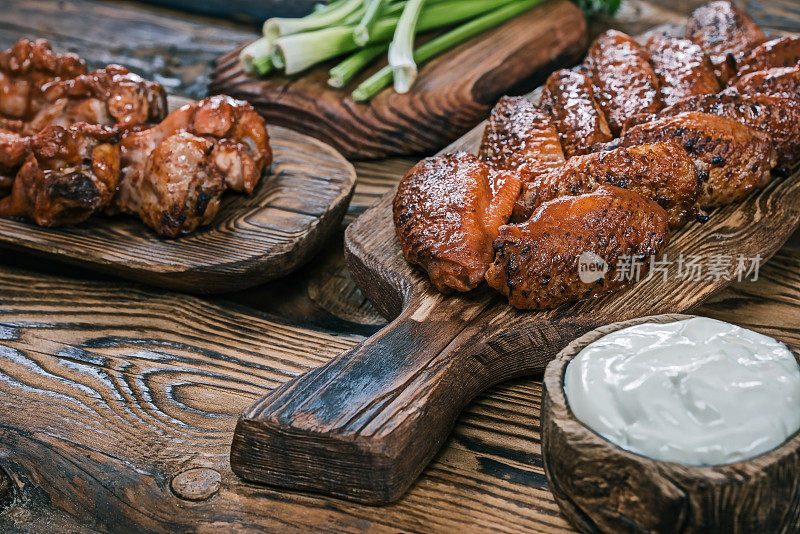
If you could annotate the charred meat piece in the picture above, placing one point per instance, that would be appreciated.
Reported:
(731, 159)
(68, 174)
(778, 116)
(776, 81)
(683, 69)
(447, 211)
(662, 172)
(568, 97)
(25, 69)
(537, 263)
(112, 96)
(175, 172)
(725, 33)
(520, 136)
(625, 85)
(783, 52)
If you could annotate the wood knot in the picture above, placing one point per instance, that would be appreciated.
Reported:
(196, 484)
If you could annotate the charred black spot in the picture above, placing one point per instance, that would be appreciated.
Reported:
(74, 186)
(717, 160)
(702, 177)
(202, 202)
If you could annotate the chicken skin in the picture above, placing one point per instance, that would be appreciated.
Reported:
(537, 263)
(175, 172)
(14, 148)
(447, 211)
(568, 97)
(663, 172)
(782, 52)
(725, 33)
(112, 96)
(731, 159)
(520, 137)
(68, 174)
(25, 69)
(781, 81)
(683, 69)
(625, 85)
(778, 116)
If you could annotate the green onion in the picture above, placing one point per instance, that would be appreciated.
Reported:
(364, 27)
(255, 57)
(345, 71)
(378, 81)
(401, 50)
(277, 27)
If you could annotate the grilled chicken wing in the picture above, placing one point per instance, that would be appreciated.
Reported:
(520, 137)
(683, 69)
(537, 262)
(778, 116)
(725, 33)
(25, 69)
(13, 150)
(625, 85)
(68, 174)
(174, 173)
(112, 96)
(783, 52)
(732, 159)
(568, 97)
(776, 81)
(447, 211)
(662, 172)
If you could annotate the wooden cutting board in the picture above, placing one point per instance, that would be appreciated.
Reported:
(297, 207)
(363, 426)
(453, 93)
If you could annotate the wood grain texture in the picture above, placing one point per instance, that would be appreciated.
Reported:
(296, 208)
(384, 409)
(453, 92)
(602, 487)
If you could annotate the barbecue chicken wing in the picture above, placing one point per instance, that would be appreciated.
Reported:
(25, 69)
(783, 52)
(625, 85)
(568, 97)
(520, 137)
(783, 81)
(13, 150)
(174, 173)
(112, 96)
(662, 172)
(537, 263)
(725, 33)
(447, 211)
(683, 69)
(68, 174)
(778, 116)
(731, 159)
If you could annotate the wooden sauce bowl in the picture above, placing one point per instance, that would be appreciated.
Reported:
(601, 487)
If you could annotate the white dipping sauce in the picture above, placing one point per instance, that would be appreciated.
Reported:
(697, 391)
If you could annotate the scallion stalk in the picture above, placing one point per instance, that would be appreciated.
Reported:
(373, 9)
(277, 27)
(255, 57)
(401, 50)
(381, 79)
(341, 74)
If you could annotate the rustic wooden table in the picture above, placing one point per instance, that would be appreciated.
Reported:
(119, 401)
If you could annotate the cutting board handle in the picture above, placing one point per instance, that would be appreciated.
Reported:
(364, 425)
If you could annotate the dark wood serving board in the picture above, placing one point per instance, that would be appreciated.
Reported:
(453, 93)
(298, 206)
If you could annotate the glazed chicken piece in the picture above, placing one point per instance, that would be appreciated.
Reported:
(778, 116)
(725, 33)
(25, 69)
(662, 172)
(68, 174)
(112, 96)
(537, 263)
(568, 97)
(13, 150)
(447, 211)
(731, 159)
(783, 52)
(174, 173)
(783, 81)
(520, 137)
(625, 85)
(683, 69)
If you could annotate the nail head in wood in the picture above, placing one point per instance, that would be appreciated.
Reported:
(197, 484)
